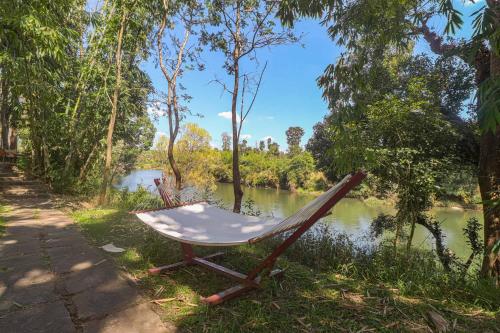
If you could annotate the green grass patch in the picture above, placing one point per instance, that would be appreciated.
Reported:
(324, 289)
(3, 209)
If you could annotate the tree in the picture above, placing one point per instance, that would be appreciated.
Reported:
(316, 145)
(269, 141)
(298, 172)
(368, 28)
(195, 156)
(226, 141)
(410, 146)
(293, 137)
(243, 146)
(131, 33)
(262, 145)
(240, 28)
(31, 68)
(61, 84)
(103, 198)
(174, 61)
(273, 148)
(5, 111)
(449, 82)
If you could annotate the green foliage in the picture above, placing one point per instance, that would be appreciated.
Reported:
(408, 143)
(203, 165)
(447, 84)
(299, 169)
(489, 112)
(403, 131)
(59, 60)
(141, 199)
(368, 28)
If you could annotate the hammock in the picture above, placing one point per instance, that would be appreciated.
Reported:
(202, 224)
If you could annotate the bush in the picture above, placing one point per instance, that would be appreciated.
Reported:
(141, 199)
(417, 274)
(316, 182)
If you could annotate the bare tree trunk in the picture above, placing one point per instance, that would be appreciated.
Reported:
(489, 175)
(172, 106)
(489, 171)
(104, 195)
(487, 64)
(238, 193)
(173, 127)
(46, 160)
(410, 237)
(83, 170)
(13, 139)
(4, 112)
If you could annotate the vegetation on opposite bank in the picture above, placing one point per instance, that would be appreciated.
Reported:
(295, 169)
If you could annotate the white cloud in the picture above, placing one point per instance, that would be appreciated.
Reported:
(245, 136)
(267, 137)
(157, 137)
(269, 117)
(155, 109)
(227, 115)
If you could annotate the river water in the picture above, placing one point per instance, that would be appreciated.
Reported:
(351, 216)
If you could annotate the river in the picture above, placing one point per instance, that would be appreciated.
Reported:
(351, 216)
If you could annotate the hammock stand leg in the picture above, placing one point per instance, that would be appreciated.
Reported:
(245, 285)
(238, 289)
(188, 259)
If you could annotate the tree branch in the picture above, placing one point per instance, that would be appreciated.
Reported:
(434, 40)
(256, 31)
(222, 84)
(244, 116)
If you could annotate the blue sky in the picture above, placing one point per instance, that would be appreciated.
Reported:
(288, 96)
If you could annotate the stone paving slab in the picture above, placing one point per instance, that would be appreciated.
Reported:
(75, 262)
(30, 276)
(106, 298)
(24, 231)
(18, 249)
(51, 280)
(95, 276)
(127, 321)
(12, 275)
(21, 262)
(30, 295)
(49, 318)
(70, 240)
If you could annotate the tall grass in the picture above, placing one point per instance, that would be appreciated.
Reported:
(418, 273)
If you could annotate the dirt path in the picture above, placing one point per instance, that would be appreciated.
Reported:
(51, 280)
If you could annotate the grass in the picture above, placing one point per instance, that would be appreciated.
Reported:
(339, 293)
(3, 209)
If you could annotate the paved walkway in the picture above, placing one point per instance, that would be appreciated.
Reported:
(51, 280)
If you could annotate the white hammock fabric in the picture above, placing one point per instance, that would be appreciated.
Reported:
(202, 224)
